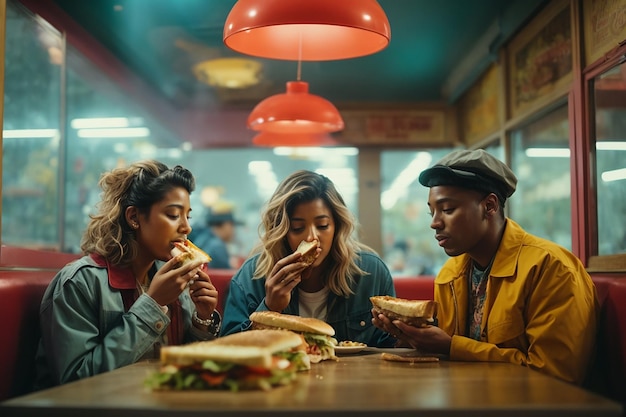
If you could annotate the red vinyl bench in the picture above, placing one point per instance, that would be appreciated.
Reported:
(24, 277)
(610, 366)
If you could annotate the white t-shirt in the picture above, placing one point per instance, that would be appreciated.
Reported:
(313, 304)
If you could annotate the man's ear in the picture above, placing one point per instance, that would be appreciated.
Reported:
(492, 205)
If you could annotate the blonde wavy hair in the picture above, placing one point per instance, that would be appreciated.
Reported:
(141, 184)
(302, 187)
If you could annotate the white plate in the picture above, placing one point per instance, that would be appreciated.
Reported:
(344, 350)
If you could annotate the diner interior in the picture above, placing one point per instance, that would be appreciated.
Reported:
(541, 84)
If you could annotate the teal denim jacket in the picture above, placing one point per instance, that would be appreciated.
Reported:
(85, 329)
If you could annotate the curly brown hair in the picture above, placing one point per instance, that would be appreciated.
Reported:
(301, 187)
(141, 184)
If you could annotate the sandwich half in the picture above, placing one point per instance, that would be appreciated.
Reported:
(317, 335)
(188, 252)
(256, 359)
(419, 313)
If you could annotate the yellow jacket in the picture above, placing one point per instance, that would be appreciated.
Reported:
(540, 311)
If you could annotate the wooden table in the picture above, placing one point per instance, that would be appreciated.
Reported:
(356, 385)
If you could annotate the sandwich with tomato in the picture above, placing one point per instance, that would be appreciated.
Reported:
(186, 251)
(317, 335)
(255, 359)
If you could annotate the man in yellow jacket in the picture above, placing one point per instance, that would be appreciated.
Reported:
(505, 295)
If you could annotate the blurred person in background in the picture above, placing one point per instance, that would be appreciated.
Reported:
(217, 234)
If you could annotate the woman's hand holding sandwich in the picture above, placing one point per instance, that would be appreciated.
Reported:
(171, 280)
(284, 277)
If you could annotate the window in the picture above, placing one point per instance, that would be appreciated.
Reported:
(540, 160)
(31, 137)
(409, 245)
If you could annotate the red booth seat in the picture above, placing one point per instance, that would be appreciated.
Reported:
(415, 288)
(611, 344)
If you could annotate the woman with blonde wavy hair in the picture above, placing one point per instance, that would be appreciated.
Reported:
(127, 295)
(336, 288)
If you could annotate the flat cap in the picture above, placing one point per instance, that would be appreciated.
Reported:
(221, 213)
(473, 169)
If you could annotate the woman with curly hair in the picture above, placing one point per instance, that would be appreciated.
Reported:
(335, 288)
(127, 295)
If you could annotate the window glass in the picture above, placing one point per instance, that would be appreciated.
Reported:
(31, 138)
(610, 134)
(409, 245)
(104, 129)
(540, 160)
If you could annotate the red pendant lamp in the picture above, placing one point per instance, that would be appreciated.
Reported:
(307, 30)
(295, 112)
(293, 140)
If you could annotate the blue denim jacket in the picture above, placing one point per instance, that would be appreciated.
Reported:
(351, 317)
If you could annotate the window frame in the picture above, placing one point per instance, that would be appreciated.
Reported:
(585, 157)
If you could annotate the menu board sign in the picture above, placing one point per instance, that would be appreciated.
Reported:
(394, 127)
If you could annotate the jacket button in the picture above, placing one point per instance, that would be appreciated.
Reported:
(159, 325)
(362, 323)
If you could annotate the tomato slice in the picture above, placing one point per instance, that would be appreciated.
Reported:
(213, 379)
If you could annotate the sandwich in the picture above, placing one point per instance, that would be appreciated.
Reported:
(317, 335)
(418, 313)
(255, 359)
(188, 252)
(308, 251)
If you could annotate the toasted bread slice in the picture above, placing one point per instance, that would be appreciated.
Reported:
(308, 251)
(418, 313)
(292, 322)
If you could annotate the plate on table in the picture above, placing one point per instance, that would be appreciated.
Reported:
(344, 348)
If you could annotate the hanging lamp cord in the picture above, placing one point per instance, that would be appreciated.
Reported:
(299, 74)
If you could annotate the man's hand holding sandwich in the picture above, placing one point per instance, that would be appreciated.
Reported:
(412, 322)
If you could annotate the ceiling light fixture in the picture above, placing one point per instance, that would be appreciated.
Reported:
(295, 112)
(229, 72)
(310, 30)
